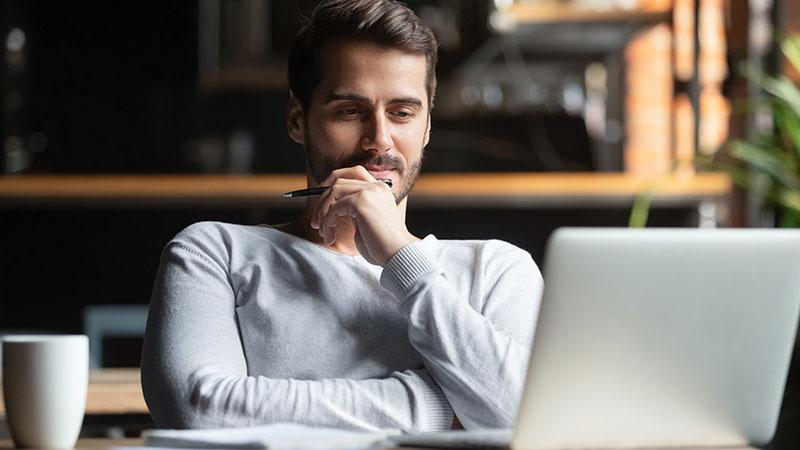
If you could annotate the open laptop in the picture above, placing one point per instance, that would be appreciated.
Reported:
(655, 338)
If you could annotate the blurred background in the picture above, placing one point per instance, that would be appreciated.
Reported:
(117, 120)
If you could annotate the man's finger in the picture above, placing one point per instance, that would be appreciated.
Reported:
(353, 173)
(343, 207)
(328, 229)
(340, 189)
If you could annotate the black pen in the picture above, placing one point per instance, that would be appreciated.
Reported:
(320, 189)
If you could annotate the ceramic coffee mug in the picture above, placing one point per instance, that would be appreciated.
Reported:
(45, 379)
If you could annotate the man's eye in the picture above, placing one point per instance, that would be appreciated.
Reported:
(403, 114)
(348, 112)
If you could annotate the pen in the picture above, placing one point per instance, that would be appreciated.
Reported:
(320, 189)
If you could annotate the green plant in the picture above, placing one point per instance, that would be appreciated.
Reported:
(768, 164)
(640, 211)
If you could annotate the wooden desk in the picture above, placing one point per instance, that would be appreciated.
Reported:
(100, 444)
(111, 391)
(87, 444)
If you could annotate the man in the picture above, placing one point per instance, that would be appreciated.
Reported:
(342, 317)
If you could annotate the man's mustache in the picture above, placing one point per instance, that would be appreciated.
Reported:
(382, 160)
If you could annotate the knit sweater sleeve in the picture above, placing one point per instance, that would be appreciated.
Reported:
(194, 372)
(478, 357)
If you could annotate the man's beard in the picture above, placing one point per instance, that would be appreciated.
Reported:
(320, 167)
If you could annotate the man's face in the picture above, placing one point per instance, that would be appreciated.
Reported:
(370, 109)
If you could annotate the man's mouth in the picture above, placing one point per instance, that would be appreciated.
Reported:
(381, 171)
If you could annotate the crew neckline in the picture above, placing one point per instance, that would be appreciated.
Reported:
(292, 237)
(303, 241)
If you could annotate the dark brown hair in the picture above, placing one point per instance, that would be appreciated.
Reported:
(387, 23)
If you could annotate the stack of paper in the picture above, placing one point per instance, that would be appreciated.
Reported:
(281, 436)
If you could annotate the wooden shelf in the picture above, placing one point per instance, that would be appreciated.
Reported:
(144, 187)
(111, 391)
(534, 13)
(502, 190)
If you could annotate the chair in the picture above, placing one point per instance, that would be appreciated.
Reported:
(103, 321)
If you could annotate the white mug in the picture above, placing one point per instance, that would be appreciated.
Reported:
(45, 379)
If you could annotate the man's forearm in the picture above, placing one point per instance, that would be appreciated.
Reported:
(480, 370)
(479, 364)
(409, 400)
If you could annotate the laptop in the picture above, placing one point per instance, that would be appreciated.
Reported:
(655, 338)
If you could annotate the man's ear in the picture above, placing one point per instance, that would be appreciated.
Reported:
(294, 120)
(427, 132)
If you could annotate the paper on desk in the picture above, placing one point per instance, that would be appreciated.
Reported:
(280, 436)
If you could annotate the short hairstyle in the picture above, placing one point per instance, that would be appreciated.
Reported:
(387, 23)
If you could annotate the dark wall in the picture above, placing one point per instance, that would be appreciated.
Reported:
(111, 83)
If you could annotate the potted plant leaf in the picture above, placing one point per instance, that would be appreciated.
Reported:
(768, 163)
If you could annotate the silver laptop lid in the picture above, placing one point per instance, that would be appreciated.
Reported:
(661, 337)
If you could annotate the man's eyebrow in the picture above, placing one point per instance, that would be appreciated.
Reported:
(407, 100)
(346, 96)
(360, 98)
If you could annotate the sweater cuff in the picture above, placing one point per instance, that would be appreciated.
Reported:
(438, 410)
(404, 268)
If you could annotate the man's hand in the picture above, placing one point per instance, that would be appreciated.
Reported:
(355, 195)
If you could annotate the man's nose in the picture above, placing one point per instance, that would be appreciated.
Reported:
(377, 136)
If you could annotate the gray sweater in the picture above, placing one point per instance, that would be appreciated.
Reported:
(249, 325)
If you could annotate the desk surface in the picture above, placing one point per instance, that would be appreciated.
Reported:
(516, 190)
(87, 444)
(111, 391)
(99, 444)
